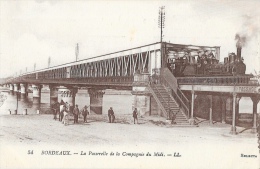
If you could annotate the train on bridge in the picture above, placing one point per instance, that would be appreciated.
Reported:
(206, 64)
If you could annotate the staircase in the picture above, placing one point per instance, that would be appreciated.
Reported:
(166, 102)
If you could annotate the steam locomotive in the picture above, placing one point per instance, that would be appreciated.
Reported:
(207, 65)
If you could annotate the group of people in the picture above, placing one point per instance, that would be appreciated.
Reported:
(111, 115)
(65, 109)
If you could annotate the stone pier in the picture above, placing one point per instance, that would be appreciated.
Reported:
(67, 94)
(11, 88)
(53, 94)
(24, 88)
(16, 88)
(36, 93)
(141, 95)
(96, 100)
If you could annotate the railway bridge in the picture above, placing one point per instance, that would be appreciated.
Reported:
(155, 90)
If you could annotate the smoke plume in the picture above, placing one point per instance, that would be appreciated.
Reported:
(241, 40)
(249, 29)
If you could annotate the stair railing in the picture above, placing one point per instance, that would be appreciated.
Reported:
(157, 100)
(169, 81)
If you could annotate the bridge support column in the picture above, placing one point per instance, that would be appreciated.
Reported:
(96, 100)
(210, 110)
(142, 103)
(233, 128)
(141, 95)
(237, 108)
(193, 97)
(223, 108)
(53, 94)
(68, 94)
(255, 102)
(36, 93)
(11, 88)
(23, 91)
(16, 88)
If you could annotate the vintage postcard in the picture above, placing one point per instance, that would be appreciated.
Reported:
(130, 84)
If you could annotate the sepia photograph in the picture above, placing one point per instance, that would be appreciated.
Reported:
(130, 84)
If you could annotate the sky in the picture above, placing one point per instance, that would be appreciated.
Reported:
(32, 31)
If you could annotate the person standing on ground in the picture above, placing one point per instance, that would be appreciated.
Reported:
(56, 109)
(174, 117)
(62, 109)
(110, 112)
(76, 113)
(85, 113)
(135, 115)
(65, 116)
(112, 116)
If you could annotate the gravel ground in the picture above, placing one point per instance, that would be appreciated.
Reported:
(200, 147)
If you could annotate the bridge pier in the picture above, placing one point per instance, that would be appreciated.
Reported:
(24, 88)
(255, 100)
(141, 95)
(11, 88)
(16, 88)
(67, 94)
(96, 100)
(53, 94)
(36, 93)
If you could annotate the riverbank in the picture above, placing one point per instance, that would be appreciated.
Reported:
(17, 125)
(37, 133)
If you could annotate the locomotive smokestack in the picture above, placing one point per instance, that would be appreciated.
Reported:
(241, 40)
(239, 48)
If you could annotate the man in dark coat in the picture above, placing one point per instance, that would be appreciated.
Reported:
(110, 114)
(85, 113)
(76, 114)
(135, 116)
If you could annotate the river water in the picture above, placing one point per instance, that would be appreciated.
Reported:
(122, 104)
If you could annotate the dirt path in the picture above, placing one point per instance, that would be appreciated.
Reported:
(41, 132)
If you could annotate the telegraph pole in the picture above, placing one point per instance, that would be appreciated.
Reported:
(77, 52)
(34, 66)
(49, 61)
(161, 19)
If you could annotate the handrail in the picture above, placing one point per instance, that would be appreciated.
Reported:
(223, 80)
(156, 99)
(176, 93)
(172, 81)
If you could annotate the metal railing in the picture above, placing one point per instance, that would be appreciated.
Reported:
(150, 88)
(228, 80)
(178, 96)
(169, 81)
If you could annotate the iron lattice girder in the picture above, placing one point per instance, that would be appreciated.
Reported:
(119, 66)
